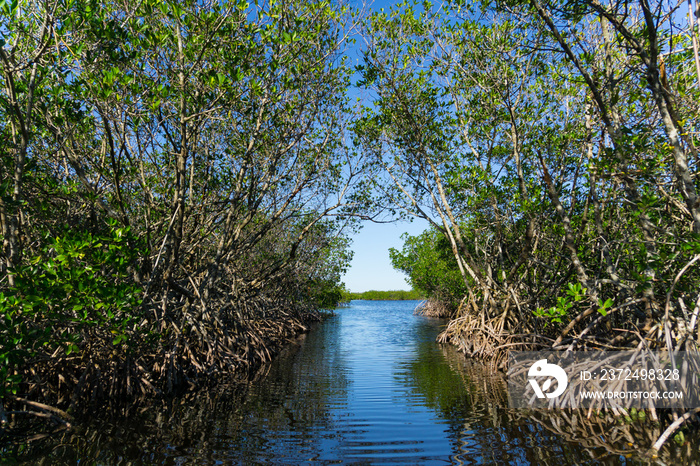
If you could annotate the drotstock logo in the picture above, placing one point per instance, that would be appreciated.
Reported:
(542, 369)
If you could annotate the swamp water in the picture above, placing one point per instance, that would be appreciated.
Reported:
(367, 386)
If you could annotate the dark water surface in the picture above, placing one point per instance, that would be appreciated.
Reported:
(369, 385)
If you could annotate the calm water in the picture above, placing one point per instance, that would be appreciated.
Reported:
(369, 385)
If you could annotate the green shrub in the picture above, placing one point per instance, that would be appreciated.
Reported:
(77, 287)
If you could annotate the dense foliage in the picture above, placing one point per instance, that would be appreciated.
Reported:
(174, 187)
(552, 145)
(426, 260)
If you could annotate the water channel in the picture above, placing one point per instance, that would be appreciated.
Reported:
(369, 385)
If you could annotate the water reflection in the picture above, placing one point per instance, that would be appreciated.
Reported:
(370, 385)
(484, 431)
(472, 402)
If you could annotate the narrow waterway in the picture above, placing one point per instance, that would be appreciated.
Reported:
(369, 385)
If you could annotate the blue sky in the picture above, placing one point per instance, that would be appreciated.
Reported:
(370, 268)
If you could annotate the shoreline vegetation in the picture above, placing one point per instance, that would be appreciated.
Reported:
(179, 181)
(392, 295)
(554, 149)
(175, 197)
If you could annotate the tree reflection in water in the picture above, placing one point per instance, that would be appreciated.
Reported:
(368, 386)
(492, 433)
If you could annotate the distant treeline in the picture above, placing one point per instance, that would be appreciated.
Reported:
(373, 295)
